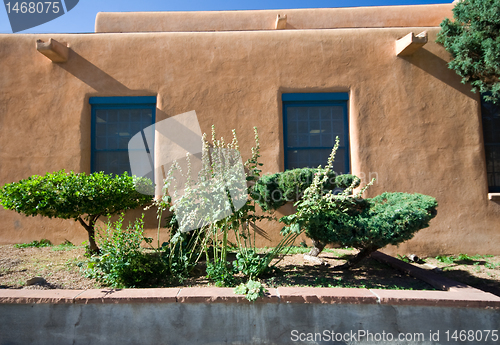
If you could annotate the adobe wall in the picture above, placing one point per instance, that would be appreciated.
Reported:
(412, 123)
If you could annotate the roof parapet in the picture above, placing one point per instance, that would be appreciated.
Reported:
(298, 19)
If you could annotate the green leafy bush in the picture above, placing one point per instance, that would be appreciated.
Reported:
(252, 290)
(390, 218)
(251, 264)
(122, 261)
(473, 39)
(275, 190)
(349, 220)
(221, 273)
(81, 197)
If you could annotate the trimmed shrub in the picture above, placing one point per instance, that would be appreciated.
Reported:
(348, 219)
(275, 190)
(81, 197)
(370, 224)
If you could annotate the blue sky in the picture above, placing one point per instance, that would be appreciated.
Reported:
(82, 17)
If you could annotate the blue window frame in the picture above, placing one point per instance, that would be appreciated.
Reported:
(491, 133)
(311, 121)
(115, 120)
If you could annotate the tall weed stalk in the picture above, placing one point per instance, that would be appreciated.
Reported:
(233, 216)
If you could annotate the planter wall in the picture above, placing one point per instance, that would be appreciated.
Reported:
(217, 316)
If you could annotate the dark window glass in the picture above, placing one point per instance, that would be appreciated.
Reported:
(113, 125)
(491, 132)
(311, 126)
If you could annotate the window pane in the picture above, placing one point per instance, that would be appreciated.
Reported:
(303, 140)
(492, 158)
(113, 129)
(491, 134)
(315, 126)
(136, 115)
(339, 165)
(302, 127)
(311, 128)
(101, 143)
(136, 127)
(312, 158)
(124, 115)
(112, 143)
(327, 140)
(112, 115)
(112, 162)
(315, 139)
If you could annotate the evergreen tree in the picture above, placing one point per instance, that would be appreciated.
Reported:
(473, 39)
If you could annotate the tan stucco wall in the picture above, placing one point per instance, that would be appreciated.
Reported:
(412, 123)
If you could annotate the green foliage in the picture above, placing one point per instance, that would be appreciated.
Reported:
(122, 261)
(473, 39)
(393, 218)
(492, 265)
(252, 264)
(450, 259)
(182, 252)
(252, 290)
(220, 272)
(403, 258)
(464, 257)
(445, 259)
(461, 259)
(220, 171)
(275, 190)
(349, 220)
(390, 218)
(74, 196)
(303, 250)
(70, 195)
(34, 244)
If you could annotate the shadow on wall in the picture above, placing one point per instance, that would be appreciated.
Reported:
(96, 78)
(104, 85)
(438, 68)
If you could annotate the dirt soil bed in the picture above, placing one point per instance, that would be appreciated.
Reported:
(59, 266)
